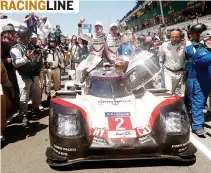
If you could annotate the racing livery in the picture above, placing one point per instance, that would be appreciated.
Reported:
(118, 116)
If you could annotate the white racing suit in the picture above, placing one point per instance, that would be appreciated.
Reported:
(172, 58)
(96, 43)
(111, 47)
(29, 86)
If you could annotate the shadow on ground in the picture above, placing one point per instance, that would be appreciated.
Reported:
(17, 132)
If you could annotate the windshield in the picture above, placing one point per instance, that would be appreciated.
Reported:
(108, 87)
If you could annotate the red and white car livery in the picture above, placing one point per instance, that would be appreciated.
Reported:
(111, 118)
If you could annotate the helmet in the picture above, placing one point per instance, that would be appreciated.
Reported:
(24, 32)
(205, 35)
(198, 28)
(99, 23)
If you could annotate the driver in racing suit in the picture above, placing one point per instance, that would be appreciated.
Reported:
(97, 42)
(113, 43)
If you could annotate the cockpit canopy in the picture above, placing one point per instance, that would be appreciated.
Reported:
(108, 84)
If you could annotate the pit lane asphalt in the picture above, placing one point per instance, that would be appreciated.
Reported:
(25, 153)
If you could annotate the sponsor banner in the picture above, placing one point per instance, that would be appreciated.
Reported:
(122, 134)
(117, 114)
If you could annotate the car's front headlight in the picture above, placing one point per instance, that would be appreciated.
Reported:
(68, 125)
(176, 122)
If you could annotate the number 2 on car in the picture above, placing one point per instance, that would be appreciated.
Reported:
(119, 123)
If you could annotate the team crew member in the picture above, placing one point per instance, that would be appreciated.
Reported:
(201, 81)
(97, 42)
(172, 57)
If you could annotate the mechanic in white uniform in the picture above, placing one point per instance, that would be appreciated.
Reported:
(113, 42)
(172, 57)
(97, 43)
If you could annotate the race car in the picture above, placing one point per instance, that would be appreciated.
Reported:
(119, 116)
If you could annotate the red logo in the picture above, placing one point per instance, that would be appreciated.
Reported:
(141, 131)
(99, 132)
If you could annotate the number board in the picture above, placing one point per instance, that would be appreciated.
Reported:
(119, 120)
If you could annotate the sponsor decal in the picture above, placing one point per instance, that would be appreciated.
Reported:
(99, 141)
(117, 114)
(119, 123)
(114, 102)
(145, 139)
(183, 149)
(180, 145)
(119, 120)
(59, 152)
(142, 131)
(122, 134)
(64, 149)
(99, 132)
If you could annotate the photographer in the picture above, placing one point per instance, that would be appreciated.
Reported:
(75, 49)
(25, 60)
(52, 64)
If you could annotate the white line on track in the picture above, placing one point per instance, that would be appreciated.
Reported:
(201, 146)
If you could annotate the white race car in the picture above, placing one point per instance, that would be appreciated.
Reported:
(117, 116)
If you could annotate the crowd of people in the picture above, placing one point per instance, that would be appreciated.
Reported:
(33, 57)
(185, 58)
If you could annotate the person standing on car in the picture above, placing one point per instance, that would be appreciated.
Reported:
(201, 80)
(172, 58)
(97, 42)
(54, 60)
(113, 42)
(112, 46)
(28, 69)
